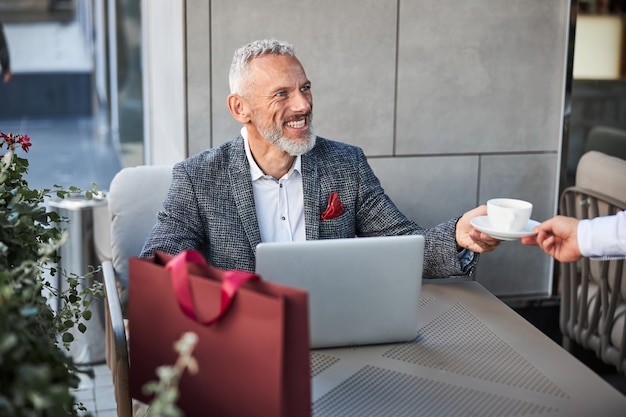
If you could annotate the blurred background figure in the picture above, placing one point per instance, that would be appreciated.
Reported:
(4, 56)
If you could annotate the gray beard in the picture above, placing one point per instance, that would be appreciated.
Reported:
(288, 145)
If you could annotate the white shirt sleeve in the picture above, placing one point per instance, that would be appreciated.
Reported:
(603, 236)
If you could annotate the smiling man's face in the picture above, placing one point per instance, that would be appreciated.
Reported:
(281, 101)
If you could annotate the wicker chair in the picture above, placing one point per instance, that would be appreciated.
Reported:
(593, 292)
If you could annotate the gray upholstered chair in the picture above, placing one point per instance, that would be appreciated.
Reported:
(134, 197)
(593, 292)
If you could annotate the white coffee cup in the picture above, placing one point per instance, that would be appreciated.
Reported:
(508, 214)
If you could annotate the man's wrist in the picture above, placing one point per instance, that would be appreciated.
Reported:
(466, 257)
(459, 248)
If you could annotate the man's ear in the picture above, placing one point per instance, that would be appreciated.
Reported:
(239, 108)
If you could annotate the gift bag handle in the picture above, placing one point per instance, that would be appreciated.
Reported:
(231, 281)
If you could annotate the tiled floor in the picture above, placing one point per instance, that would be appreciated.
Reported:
(96, 394)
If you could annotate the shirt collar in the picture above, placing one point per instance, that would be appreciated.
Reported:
(256, 172)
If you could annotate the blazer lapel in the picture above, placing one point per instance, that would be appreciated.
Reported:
(311, 192)
(241, 188)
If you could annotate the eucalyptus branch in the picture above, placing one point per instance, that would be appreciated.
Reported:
(165, 390)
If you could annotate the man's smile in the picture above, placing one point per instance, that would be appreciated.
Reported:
(296, 124)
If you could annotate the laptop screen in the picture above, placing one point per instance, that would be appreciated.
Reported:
(361, 290)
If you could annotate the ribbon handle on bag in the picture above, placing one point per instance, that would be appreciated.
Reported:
(231, 281)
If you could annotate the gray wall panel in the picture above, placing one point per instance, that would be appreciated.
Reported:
(515, 269)
(427, 189)
(480, 76)
(198, 76)
(527, 176)
(347, 49)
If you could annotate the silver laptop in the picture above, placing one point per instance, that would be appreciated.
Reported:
(361, 290)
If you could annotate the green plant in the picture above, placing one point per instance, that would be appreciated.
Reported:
(37, 376)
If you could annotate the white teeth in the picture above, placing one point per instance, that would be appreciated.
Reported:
(297, 125)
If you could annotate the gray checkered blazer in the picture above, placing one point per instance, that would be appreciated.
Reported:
(210, 207)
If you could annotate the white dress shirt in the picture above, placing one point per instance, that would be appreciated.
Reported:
(279, 202)
(603, 236)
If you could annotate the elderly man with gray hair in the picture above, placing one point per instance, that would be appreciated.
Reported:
(278, 181)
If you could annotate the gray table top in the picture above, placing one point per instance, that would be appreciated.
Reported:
(473, 356)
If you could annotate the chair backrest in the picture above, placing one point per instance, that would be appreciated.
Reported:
(608, 140)
(135, 196)
(116, 342)
(602, 173)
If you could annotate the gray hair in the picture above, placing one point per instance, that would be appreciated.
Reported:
(238, 75)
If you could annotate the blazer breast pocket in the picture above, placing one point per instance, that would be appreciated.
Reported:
(338, 227)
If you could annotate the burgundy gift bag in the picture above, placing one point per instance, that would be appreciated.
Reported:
(253, 337)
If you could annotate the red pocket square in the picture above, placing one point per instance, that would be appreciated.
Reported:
(334, 208)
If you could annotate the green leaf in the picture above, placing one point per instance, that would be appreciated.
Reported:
(8, 342)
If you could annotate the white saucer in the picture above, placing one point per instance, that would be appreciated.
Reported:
(483, 224)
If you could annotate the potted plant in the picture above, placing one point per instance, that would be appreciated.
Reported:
(37, 375)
